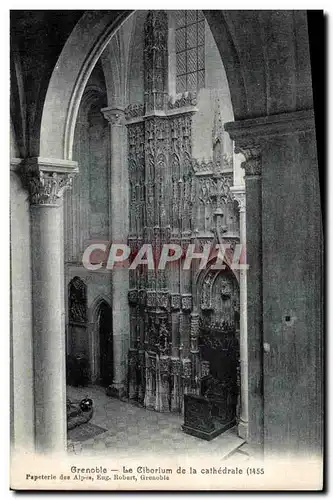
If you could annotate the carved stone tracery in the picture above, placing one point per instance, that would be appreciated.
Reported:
(173, 198)
(155, 60)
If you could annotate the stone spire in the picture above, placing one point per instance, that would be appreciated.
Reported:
(218, 134)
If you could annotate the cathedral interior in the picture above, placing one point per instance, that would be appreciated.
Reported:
(169, 128)
(169, 114)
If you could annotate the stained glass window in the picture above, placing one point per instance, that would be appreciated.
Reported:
(190, 50)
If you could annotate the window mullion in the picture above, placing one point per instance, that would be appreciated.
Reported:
(191, 78)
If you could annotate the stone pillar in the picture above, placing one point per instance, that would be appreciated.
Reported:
(47, 180)
(239, 195)
(162, 383)
(175, 361)
(119, 234)
(22, 418)
(253, 189)
(283, 244)
(249, 144)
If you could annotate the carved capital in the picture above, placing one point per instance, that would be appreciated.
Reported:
(252, 134)
(252, 163)
(47, 180)
(115, 116)
(238, 193)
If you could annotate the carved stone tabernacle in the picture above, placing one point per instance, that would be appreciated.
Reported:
(174, 198)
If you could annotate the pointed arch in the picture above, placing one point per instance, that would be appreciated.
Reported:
(202, 274)
(92, 33)
(96, 304)
(101, 348)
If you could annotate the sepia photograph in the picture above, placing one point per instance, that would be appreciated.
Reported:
(166, 250)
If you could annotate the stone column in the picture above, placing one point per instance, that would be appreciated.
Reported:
(280, 175)
(239, 195)
(250, 144)
(253, 188)
(119, 234)
(47, 180)
(21, 346)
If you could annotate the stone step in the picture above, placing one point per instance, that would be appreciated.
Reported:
(229, 442)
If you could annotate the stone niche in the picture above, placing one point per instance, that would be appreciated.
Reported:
(214, 409)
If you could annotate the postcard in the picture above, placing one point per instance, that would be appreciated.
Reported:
(166, 250)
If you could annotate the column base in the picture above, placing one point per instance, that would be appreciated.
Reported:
(117, 391)
(243, 430)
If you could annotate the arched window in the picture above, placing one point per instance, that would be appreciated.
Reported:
(190, 50)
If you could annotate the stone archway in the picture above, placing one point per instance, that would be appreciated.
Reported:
(93, 32)
(204, 307)
(51, 173)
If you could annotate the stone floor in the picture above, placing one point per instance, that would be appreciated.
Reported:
(135, 430)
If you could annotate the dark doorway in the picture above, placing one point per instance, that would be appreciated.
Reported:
(105, 344)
